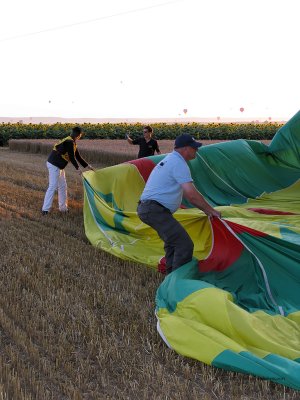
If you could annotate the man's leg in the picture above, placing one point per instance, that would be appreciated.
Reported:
(53, 183)
(62, 192)
(157, 216)
(169, 255)
(183, 245)
(177, 243)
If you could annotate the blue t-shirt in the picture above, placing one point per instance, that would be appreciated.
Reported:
(164, 182)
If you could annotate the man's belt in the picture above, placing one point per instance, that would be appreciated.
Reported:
(151, 202)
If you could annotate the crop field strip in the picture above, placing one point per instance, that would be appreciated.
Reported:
(77, 323)
(106, 152)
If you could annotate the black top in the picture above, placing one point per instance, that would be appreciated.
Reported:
(66, 151)
(146, 148)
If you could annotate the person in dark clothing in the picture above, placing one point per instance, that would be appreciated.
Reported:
(148, 146)
(63, 152)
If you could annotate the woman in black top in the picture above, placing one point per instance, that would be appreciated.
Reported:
(63, 152)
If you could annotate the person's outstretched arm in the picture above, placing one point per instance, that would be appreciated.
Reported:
(196, 198)
(157, 148)
(129, 140)
(82, 161)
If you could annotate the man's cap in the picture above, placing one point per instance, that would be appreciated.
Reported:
(186, 140)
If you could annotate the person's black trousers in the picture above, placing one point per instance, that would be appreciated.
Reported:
(177, 243)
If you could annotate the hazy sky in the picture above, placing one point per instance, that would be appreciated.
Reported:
(149, 58)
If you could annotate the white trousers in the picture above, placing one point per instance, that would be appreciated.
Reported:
(57, 181)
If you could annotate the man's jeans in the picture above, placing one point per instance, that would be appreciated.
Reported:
(178, 244)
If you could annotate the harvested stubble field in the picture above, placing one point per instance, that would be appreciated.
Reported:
(77, 323)
(108, 152)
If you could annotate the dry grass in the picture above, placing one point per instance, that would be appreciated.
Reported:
(108, 152)
(77, 323)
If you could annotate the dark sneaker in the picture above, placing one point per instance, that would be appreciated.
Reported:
(44, 212)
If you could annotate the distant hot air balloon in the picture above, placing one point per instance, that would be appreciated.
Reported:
(242, 109)
(270, 118)
(185, 110)
(218, 118)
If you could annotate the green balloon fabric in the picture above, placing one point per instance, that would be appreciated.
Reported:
(236, 305)
(239, 309)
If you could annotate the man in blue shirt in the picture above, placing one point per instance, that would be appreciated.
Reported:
(169, 181)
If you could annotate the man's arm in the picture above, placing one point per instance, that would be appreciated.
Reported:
(70, 150)
(129, 140)
(157, 148)
(196, 198)
(82, 161)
